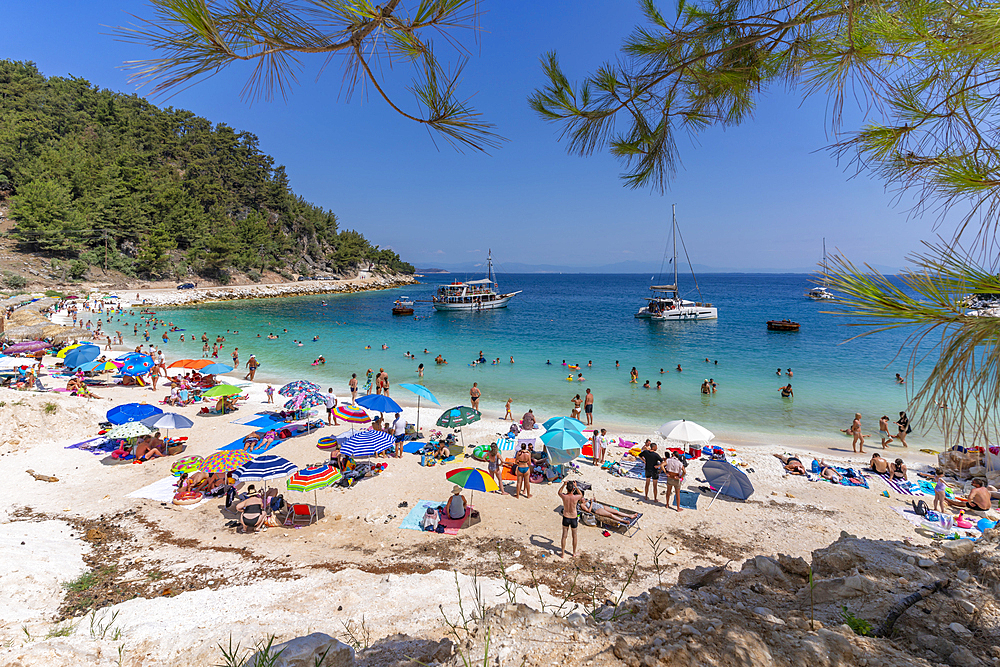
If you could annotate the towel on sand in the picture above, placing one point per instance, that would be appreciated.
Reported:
(163, 491)
(848, 476)
(412, 520)
(902, 486)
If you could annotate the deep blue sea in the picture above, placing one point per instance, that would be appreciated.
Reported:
(585, 319)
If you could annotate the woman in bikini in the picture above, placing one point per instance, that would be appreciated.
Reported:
(792, 464)
(251, 513)
(598, 509)
(577, 402)
(522, 468)
(493, 464)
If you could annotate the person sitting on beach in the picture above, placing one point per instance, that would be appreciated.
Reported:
(829, 472)
(897, 469)
(442, 452)
(455, 505)
(146, 449)
(792, 464)
(528, 420)
(879, 464)
(251, 513)
(596, 508)
(979, 498)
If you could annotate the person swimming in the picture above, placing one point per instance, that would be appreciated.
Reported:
(315, 338)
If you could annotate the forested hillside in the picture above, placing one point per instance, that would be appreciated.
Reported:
(95, 177)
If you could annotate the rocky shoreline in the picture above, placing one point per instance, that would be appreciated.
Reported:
(276, 290)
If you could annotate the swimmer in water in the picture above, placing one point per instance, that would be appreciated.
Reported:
(315, 338)
(368, 347)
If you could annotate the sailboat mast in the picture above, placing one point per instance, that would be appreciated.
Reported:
(489, 265)
(673, 228)
(825, 281)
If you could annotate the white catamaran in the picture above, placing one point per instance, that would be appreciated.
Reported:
(473, 295)
(666, 305)
(821, 292)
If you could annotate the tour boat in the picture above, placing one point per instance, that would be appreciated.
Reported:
(666, 305)
(402, 306)
(473, 295)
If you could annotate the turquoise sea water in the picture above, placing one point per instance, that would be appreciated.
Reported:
(581, 319)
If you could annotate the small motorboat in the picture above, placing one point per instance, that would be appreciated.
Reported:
(782, 325)
(402, 306)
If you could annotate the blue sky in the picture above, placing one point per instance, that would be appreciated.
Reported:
(762, 195)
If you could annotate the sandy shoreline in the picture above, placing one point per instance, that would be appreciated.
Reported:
(183, 563)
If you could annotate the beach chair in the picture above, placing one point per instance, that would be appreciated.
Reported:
(626, 528)
(299, 515)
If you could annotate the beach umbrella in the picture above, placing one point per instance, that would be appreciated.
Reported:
(367, 443)
(685, 431)
(215, 369)
(351, 414)
(313, 478)
(81, 355)
(264, 468)
(100, 366)
(379, 402)
(728, 479)
(196, 364)
(128, 430)
(167, 421)
(225, 461)
(563, 439)
(8, 363)
(137, 365)
(307, 399)
(28, 346)
(299, 387)
(473, 479)
(222, 390)
(69, 348)
(422, 392)
(181, 363)
(459, 416)
(186, 464)
(564, 423)
(132, 412)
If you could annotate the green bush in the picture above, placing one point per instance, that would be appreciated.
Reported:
(78, 269)
(255, 276)
(14, 281)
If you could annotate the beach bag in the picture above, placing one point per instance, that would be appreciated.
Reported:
(430, 520)
(588, 519)
(920, 509)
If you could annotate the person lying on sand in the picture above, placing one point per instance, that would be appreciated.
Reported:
(829, 472)
(792, 464)
(591, 505)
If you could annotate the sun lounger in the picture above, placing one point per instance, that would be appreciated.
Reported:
(627, 528)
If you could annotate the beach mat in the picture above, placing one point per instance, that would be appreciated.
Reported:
(902, 486)
(859, 479)
(247, 420)
(412, 520)
(267, 421)
(636, 471)
(163, 491)
(689, 500)
(413, 447)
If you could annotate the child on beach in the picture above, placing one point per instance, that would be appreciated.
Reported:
(939, 491)
(270, 393)
(508, 415)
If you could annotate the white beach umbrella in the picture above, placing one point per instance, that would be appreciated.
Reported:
(682, 430)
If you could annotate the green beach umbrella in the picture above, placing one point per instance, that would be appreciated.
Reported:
(457, 417)
(222, 390)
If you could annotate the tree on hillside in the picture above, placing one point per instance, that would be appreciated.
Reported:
(195, 39)
(927, 76)
(47, 219)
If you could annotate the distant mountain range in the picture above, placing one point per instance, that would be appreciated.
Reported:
(619, 267)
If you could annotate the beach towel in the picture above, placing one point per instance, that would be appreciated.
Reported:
(848, 476)
(689, 500)
(506, 444)
(256, 451)
(88, 444)
(902, 486)
(413, 447)
(633, 471)
(163, 491)
(412, 520)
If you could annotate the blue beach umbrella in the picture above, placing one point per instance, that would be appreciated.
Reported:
(422, 392)
(564, 424)
(137, 365)
(215, 369)
(563, 439)
(379, 402)
(367, 443)
(727, 479)
(132, 412)
(81, 355)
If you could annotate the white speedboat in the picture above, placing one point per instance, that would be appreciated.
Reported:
(666, 305)
(822, 292)
(473, 295)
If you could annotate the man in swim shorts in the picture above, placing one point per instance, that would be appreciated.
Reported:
(571, 497)
(588, 407)
(979, 498)
(653, 462)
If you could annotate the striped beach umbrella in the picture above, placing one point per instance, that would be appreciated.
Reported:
(264, 468)
(225, 461)
(351, 414)
(313, 478)
(100, 366)
(327, 443)
(69, 348)
(367, 443)
(299, 387)
(132, 412)
(456, 417)
(128, 430)
(187, 464)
